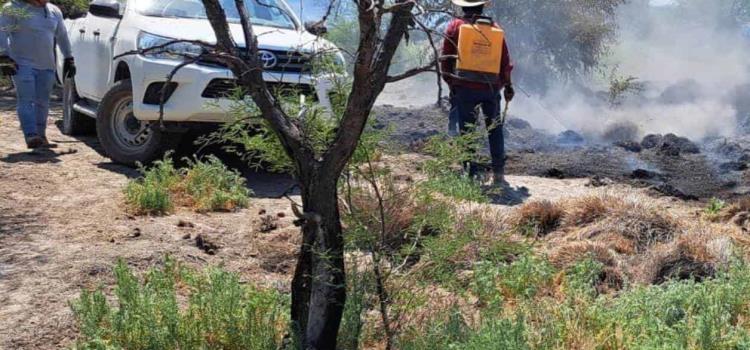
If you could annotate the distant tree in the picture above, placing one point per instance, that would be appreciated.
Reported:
(68, 7)
(556, 39)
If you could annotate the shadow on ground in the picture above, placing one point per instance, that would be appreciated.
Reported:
(508, 195)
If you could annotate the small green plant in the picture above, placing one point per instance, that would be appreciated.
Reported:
(151, 194)
(212, 186)
(215, 311)
(444, 169)
(621, 86)
(205, 185)
(715, 206)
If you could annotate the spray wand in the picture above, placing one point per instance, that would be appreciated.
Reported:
(505, 113)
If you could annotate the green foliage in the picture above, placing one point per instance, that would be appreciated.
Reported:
(678, 315)
(525, 277)
(452, 332)
(68, 7)
(715, 206)
(151, 194)
(582, 277)
(449, 154)
(206, 185)
(359, 289)
(621, 86)
(251, 137)
(212, 186)
(218, 312)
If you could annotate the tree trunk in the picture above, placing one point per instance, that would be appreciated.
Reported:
(318, 287)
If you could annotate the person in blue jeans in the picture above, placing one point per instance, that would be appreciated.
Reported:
(467, 95)
(29, 30)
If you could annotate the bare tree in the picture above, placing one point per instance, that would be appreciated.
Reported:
(318, 287)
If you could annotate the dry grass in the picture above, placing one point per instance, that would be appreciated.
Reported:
(737, 213)
(586, 210)
(694, 256)
(400, 209)
(631, 227)
(610, 279)
(537, 218)
(568, 255)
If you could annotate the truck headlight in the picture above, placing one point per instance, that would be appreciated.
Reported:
(175, 51)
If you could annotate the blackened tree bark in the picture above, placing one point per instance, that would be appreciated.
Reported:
(318, 287)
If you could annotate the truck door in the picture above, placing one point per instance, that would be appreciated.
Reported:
(97, 35)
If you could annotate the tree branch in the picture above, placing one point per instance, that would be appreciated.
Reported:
(249, 73)
(412, 72)
(370, 76)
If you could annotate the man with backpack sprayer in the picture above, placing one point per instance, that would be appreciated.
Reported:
(476, 66)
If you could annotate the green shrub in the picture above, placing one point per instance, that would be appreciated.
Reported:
(212, 186)
(456, 186)
(715, 206)
(712, 314)
(218, 312)
(205, 186)
(151, 194)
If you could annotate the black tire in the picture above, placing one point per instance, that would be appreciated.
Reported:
(125, 139)
(74, 123)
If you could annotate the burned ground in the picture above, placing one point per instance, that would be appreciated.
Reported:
(669, 164)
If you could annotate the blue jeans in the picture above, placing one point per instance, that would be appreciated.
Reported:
(453, 116)
(465, 103)
(33, 89)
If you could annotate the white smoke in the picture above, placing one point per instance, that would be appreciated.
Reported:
(691, 62)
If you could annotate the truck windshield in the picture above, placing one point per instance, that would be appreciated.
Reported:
(273, 13)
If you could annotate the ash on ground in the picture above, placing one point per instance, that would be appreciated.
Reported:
(669, 164)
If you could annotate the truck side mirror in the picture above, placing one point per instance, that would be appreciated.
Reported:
(316, 28)
(105, 8)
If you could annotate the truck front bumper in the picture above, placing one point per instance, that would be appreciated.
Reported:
(191, 101)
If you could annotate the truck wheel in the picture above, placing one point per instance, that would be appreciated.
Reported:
(74, 123)
(125, 139)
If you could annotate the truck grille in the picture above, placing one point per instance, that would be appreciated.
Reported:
(287, 62)
(224, 88)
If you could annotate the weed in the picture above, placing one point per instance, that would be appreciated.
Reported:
(714, 207)
(456, 186)
(220, 313)
(211, 186)
(151, 194)
(205, 186)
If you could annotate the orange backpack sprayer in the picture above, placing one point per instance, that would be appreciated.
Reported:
(480, 51)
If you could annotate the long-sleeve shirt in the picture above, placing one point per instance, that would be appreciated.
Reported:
(448, 65)
(28, 34)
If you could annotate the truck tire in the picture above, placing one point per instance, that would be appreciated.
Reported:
(125, 139)
(74, 123)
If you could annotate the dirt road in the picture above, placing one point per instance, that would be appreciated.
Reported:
(63, 226)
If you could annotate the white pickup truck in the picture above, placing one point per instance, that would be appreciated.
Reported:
(122, 94)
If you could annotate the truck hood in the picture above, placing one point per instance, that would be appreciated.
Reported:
(269, 38)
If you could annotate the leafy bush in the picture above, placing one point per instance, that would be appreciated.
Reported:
(678, 315)
(211, 186)
(204, 185)
(151, 194)
(217, 312)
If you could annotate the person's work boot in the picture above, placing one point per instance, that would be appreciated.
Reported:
(34, 142)
(47, 144)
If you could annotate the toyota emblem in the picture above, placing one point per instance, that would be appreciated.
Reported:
(268, 58)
